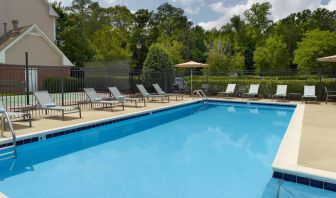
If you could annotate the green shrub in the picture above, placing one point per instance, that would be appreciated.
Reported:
(158, 67)
(267, 87)
(54, 84)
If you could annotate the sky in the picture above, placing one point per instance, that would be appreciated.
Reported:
(215, 13)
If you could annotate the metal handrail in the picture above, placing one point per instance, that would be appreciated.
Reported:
(12, 133)
(199, 94)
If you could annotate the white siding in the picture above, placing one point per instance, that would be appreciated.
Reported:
(28, 12)
(40, 52)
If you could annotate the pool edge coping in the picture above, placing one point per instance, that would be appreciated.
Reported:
(43, 133)
(285, 164)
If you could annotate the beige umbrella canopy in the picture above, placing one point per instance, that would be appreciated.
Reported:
(327, 59)
(191, 65)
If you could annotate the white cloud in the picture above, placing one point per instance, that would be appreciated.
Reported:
(110, 1)
(191, 7)
(331, 5)
(218, 7)
(280, 9)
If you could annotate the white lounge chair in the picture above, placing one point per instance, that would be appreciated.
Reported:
(230, 89)
(161, 92)
(94, 98)
(147, 95)
(11, 114)
(45, 102)
(253, 91)
(309, 93)
(281, 92)
(118, 96)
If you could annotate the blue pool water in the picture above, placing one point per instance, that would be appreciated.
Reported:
(217, 150)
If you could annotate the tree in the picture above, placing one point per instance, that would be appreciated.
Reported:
(170, 19)
(223, 56)
(290, 32)
(257, 16)
(322, 19)
(273, 54)
(140, 33)
(315, 44)
(198, 47)
(70, 37)
(157, 64)
(174, 48)
(109, 43)
(121, 18)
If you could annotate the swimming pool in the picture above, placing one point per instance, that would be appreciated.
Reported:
(215, 149)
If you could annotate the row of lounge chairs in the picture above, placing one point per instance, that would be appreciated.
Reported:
(46, 103)
(281, 92)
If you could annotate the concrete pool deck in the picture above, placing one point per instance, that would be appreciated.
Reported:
(314, 146)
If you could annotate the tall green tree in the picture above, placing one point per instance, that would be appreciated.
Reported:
(258, 17)
(121, 18)
(110, 43)
(70, 36)
(173, 47)
(224, 57)
(315, 44)
(272, 54)
(141, 34)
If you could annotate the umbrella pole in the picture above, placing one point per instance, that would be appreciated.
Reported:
(191, 74)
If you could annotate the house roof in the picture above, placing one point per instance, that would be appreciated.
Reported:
(9, 39)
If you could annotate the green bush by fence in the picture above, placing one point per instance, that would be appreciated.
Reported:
(267, 87)
(54, 84)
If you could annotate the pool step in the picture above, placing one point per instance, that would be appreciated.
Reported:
(6, 148)
(4, 153)
(7, 153)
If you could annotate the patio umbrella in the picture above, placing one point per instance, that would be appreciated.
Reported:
(330, 59)
(327, 59)
(191, 65)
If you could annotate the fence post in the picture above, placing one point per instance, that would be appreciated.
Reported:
(166, 81)
(62, 85)
(320, 86)
(27, 79)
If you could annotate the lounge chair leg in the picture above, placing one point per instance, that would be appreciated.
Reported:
(144, 102)
(80, 112)
(30, 121)
(136, 105)
(63, 115)
(123, 106)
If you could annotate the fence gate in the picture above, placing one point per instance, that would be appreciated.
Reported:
(33, 80)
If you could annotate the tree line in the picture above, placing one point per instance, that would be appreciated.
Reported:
(252, 41)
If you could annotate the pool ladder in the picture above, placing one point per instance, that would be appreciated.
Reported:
(199, 94)
(8, 152)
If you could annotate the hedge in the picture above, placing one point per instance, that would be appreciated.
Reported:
(54, 84)
(267, 87)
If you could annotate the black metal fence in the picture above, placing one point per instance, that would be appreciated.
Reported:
(65, 84)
